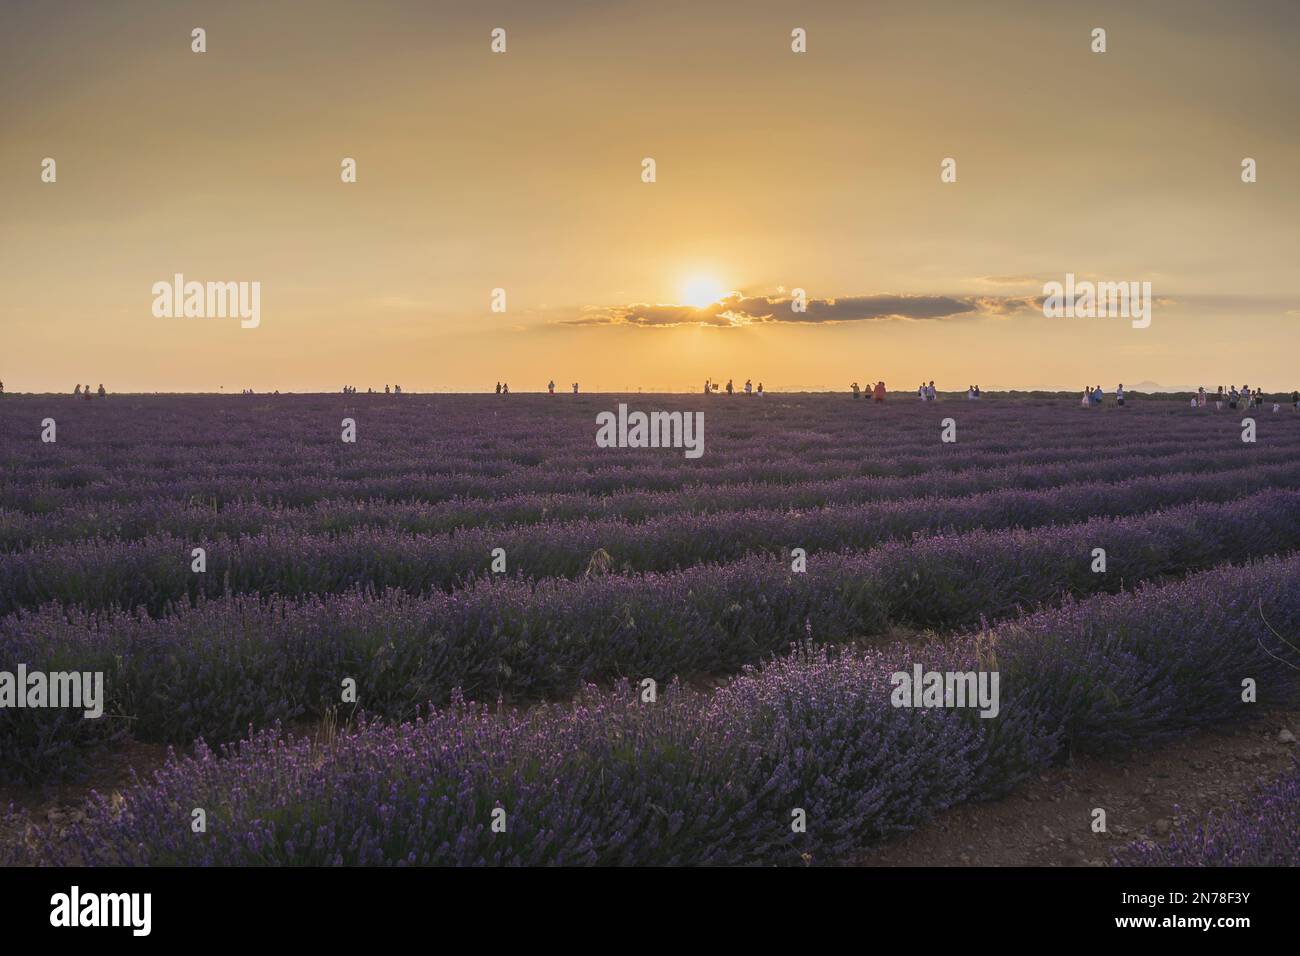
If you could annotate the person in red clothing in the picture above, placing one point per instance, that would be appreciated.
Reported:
(880, 392)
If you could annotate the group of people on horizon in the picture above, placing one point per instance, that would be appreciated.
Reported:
(926, 393)
(352, 390)
(876, 393)
(711, 387)
(1235, 399)
(1093, 395)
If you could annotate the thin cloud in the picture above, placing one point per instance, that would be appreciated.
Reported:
(1009, 280)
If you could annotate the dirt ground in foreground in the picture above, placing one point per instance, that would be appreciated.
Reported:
(1047, 821)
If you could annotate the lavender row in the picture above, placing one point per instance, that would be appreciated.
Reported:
(241, 450)
(193, 520)
(214, 669)
(211, 480)
(158, 570)
(805, 761)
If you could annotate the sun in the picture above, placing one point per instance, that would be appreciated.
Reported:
(701, 291)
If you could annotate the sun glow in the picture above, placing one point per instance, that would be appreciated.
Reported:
(701, 291)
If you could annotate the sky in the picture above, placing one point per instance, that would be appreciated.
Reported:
(523, 171)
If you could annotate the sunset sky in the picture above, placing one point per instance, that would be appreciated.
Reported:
(522, 170)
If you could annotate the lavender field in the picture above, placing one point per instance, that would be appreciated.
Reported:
(473, 636)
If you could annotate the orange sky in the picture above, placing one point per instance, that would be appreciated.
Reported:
(522, 171)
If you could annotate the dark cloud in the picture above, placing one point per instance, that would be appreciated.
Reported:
(737, 310)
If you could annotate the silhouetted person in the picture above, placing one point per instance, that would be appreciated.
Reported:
(575, 388)
(77, 391)
(498, 388)
(102, 393)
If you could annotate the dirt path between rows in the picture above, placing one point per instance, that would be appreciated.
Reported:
(1048, 820)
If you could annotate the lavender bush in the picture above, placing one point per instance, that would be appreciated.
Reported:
(712, 778)
(214, 669)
